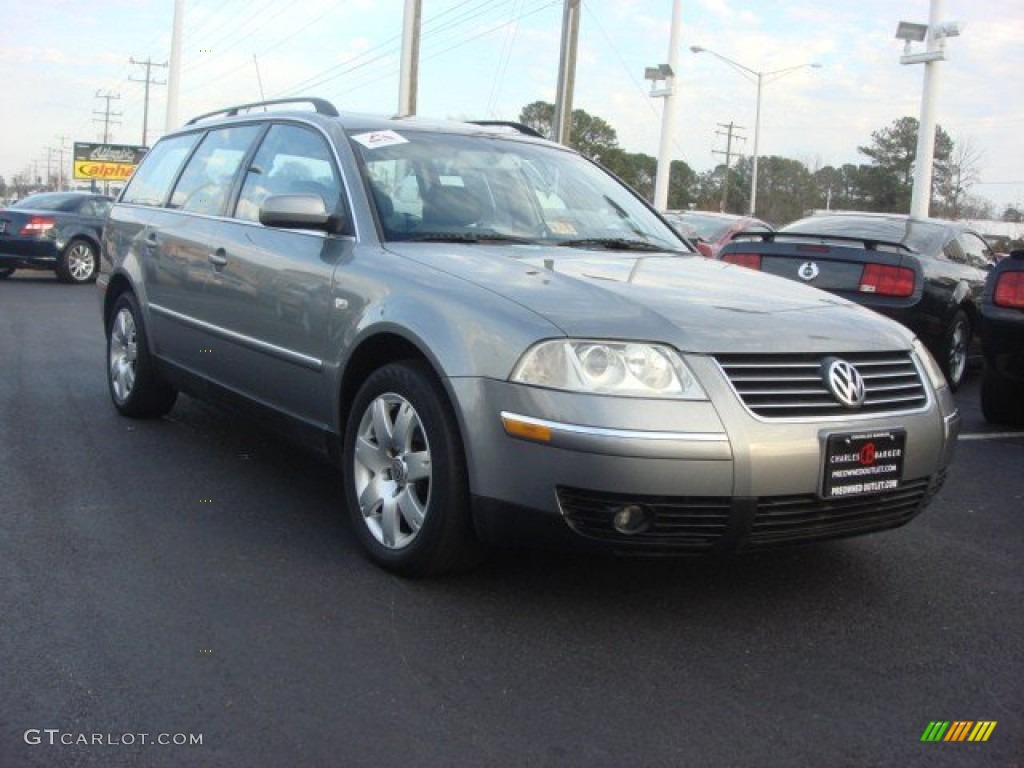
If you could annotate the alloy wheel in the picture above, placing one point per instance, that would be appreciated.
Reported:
(123, 354)
(81, 262)
(958, 352)
(392, 471)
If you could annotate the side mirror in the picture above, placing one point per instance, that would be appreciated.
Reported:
(301, 212)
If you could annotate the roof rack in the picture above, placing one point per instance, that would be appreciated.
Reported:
(524, 129)
(322, 107)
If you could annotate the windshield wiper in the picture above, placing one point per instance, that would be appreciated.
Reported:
(466, 237)
(617, 244)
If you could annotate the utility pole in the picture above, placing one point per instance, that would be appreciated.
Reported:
(410, 67)
(174, 67)
(730, 129)
(60, 173)
(562, 122)
(148, 64)
(107, 114)
(49, 167)
(106, 125)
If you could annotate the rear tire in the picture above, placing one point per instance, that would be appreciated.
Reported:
(1002, 400)
(132, 378)
(955, 344)
(78, 262)
(406, 483)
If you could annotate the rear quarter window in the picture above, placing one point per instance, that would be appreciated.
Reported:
(152, 180)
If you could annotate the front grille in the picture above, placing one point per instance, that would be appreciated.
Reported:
(792, 386)
(679, 524)
(782, 520)
(702, 524)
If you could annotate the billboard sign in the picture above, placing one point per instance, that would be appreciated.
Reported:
(106, 162)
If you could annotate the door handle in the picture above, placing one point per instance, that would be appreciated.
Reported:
(218, 258)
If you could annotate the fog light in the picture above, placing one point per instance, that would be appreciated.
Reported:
(631, 520)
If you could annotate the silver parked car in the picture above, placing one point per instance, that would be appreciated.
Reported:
(498, 341)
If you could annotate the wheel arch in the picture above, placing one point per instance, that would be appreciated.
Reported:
(386, 345)
(118, 284)
(88, 237)
(970, 308)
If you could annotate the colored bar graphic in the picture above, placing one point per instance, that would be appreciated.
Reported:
(935, 731)
(982, 730)
(958, 730)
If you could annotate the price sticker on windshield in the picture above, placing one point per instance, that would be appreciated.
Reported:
(378, 139)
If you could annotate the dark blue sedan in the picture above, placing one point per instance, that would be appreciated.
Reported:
(58, 231)
(1002, 334)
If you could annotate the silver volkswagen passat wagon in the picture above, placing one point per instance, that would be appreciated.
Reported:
(500, 342)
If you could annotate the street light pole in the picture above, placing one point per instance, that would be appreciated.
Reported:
(759, 78)
(664, 167)
(934, 35)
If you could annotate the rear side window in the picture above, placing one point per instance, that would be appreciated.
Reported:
(205, 184)
(95, 207)
(975, 250)
(151, 182)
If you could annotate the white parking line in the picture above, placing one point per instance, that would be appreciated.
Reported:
(991, 435)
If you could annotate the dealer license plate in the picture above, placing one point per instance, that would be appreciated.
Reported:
(867, 462)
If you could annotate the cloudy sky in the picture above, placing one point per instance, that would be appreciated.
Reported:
(60, 59)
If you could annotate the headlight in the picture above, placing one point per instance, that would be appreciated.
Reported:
(935, 374)
(608, 368)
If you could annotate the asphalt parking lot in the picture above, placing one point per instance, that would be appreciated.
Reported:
(194, 577)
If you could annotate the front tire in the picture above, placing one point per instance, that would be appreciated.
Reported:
(78, 262)
(955, 343)
(405, 474)
(132, 378)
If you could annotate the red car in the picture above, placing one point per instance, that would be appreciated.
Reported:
(713, 230)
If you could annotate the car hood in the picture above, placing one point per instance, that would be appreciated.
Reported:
(695, 304)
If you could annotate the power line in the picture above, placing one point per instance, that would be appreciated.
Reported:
(433, 29)
(392, 72)
(511, 32)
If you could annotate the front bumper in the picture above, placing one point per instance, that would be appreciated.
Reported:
(708, 475)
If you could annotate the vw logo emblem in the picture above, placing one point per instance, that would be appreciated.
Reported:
(808, 271)
(844, 382)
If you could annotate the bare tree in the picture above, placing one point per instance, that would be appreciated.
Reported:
(963, 172)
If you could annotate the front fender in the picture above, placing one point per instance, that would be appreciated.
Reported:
(461, 329)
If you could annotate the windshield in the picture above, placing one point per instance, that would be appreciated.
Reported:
(488, 188)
